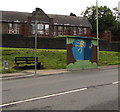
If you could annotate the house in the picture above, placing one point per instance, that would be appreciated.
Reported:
(49, 25)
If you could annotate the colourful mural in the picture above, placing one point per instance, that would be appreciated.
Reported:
(81, 53)
(78, 49)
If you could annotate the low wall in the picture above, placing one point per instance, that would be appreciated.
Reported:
(18, 41)
(105, 45)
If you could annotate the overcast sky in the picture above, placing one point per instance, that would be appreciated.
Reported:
(64, 7)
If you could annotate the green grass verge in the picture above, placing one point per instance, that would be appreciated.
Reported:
(52, 58)
(109, 58)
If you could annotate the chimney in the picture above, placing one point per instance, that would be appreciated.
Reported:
(37, 9)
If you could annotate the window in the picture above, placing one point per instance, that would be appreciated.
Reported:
(54, 31)
(46, 29)
(85, 30)
(40, 29)
(70, 30)
(33, 28)
(16, 28)
(79, 30)
(59, 30)
(65, 28)
(13, 28)
(74, 32)
(10, 28)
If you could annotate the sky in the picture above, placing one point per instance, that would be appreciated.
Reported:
(63, 7)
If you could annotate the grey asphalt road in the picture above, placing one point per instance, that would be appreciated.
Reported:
(64, 91)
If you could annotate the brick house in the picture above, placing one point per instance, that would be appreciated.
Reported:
(49, 25)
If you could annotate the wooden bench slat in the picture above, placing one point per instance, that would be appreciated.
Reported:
(27, 60)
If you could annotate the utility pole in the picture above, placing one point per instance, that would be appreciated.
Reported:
(36, 28)
(119, 7)
(119, 11)
(97, 30)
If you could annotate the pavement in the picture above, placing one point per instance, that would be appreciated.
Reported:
(44, 72)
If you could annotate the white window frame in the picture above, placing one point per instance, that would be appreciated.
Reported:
(60, 30)
(47, 29)
(79, 30)
(74, 31)
(65, 28)
(33, 28)
(10, 28)
(16, 28)
(40, 29)
(54, 30)
(13, 28)
(85, 30)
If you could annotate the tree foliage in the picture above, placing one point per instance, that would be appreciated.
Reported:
(107, 19)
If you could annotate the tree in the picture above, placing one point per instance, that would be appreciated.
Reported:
(105, 16)
(116, 28)
(115, 12)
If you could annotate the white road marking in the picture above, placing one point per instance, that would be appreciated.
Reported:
(43, 97)
(48, 96)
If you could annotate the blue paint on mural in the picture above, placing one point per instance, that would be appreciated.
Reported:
(78, 49)
(82, 49)
(88, 50)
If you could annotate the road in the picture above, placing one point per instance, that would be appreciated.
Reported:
(77, 90)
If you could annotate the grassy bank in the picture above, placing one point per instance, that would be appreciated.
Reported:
(109, 58)
(52, 58)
